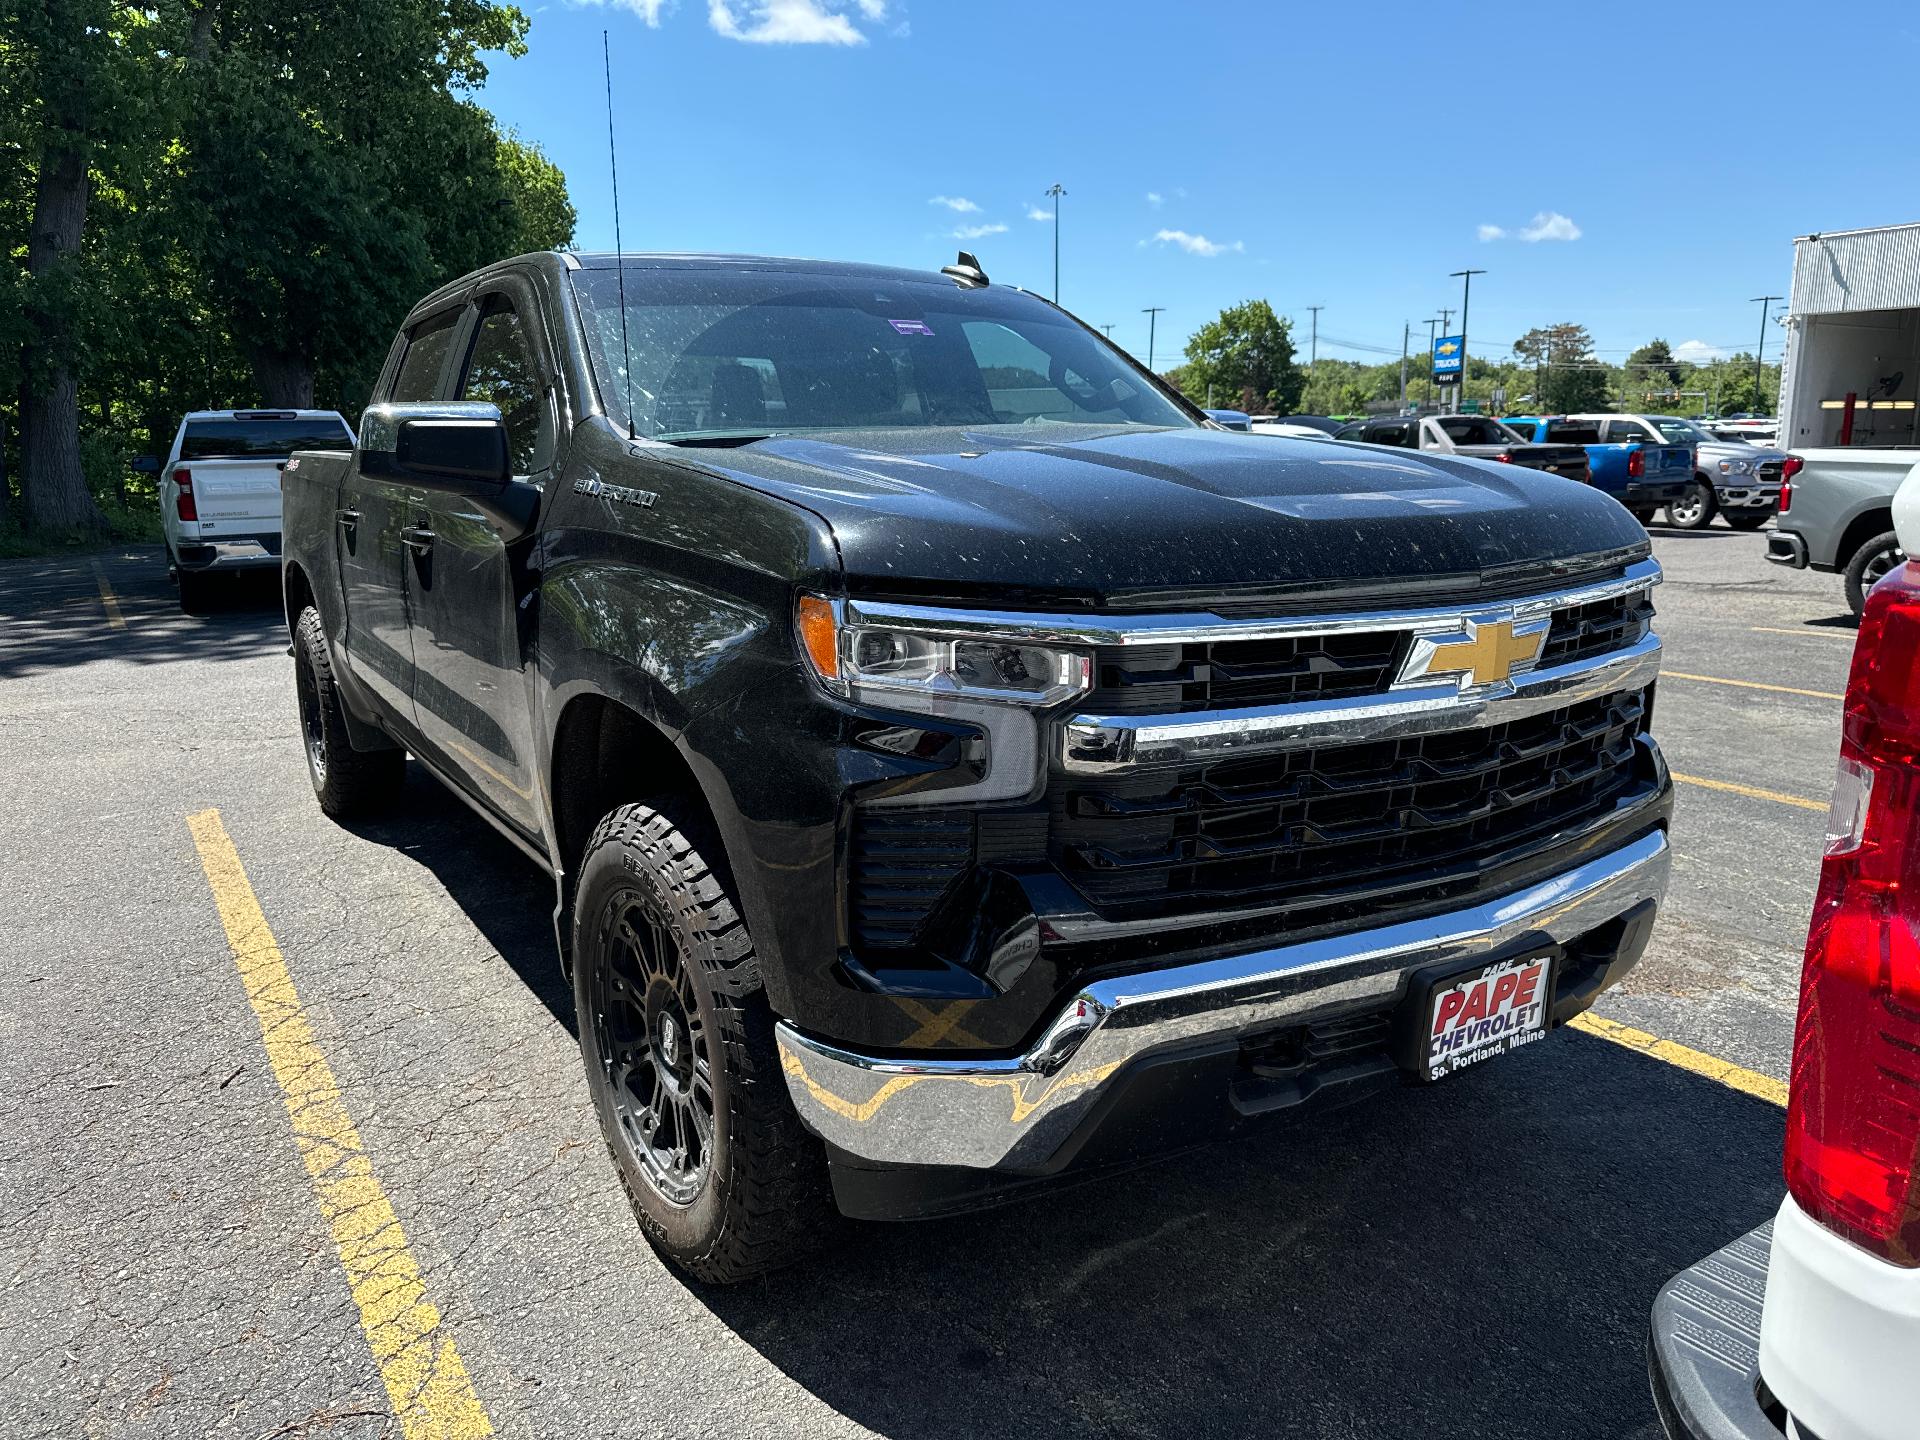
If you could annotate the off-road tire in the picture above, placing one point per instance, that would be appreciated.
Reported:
(1869, 563)
(1696, 510)
(764, 1199)
(350, 784)
(1746, 519)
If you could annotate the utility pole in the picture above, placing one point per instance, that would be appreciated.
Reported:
(1109, 330)
(1430, 324)
(1152, 312)
(1056, 190)
(1406, 338)
(1313, 346)
(1763, 301)
(1466, 293)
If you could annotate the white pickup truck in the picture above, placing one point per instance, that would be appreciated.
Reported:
(220, 489)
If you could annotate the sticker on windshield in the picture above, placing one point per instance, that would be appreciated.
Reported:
(911, 327)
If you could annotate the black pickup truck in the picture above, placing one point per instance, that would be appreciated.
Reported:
(959, 763)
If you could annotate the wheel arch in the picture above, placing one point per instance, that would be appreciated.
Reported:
(1875, 520)
(297, 593)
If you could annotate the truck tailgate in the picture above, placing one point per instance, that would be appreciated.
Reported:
(236, 496)
(1568, 460)
(1669, 462)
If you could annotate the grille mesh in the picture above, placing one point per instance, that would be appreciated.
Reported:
(1235, 674)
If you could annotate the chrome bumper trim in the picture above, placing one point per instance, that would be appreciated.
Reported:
(1016, 1113)
(1101, 744)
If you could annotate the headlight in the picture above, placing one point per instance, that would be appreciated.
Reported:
(1735, 467)
(900, 666)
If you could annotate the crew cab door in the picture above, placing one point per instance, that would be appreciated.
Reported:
(369, 522)
(469, 693)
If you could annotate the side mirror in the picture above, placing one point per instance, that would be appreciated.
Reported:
(457, 446)
(144, 464)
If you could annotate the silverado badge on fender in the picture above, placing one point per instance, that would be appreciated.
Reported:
(626, 495)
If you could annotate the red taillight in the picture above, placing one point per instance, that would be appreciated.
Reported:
(183, 502)
(1789, 467)
(1636, 464)
(1853, 1115)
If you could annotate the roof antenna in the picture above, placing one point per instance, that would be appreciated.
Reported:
(620, 254)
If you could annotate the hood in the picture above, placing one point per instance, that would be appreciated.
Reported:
(1128, 518)
(1718, 450)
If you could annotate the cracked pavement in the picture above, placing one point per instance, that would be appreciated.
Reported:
(1477, 1258)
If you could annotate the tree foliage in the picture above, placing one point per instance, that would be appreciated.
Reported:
(266, 191)
(1245, 360)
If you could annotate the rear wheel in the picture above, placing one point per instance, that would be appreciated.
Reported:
(681, 1059)
(349, 783)
(1694, 509)
(196, 591)
(1746, 519)
(1869, 563)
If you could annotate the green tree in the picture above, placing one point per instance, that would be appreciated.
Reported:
(1655, 363)
(1568, 376)
(1246, 357)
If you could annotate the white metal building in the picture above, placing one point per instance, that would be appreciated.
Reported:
(1853, 329)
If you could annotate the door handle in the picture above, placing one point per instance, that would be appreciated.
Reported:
(347, 518)
(417, 538)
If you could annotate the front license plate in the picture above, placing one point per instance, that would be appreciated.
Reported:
(1486, 1012)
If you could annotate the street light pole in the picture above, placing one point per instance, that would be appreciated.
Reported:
(1056, 190)
(1762, 301)
(1430, 331)
(1152, 312)
(1406, 338)
(1466, 294)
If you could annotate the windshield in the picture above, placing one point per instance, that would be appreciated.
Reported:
(244, 439)
(719, 353)
(1681, 432)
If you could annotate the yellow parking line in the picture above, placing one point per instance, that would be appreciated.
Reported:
(1750, 1082)
(427, 1383)
(1749, 685)
(1846, 635)
(108, 600)
(1752, 792)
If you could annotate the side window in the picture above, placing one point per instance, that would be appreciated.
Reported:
(1623, 432)
(501, 370)
(427, 342)
(1398, 433)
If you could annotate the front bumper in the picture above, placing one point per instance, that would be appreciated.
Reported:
(1021, 1113)
(1703, 1358)
(1787, 547)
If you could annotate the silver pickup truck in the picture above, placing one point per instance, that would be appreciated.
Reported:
(1836, 514)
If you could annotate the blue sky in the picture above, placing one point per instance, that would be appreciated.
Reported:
(1639, 169)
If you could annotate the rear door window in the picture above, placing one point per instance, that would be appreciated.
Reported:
(1394, 432)
(426, 357)
(1624, 432)
(1573, 432)
(501, 370)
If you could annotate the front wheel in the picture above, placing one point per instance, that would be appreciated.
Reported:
(681, 1059)
(1694, 509)
(1869, 563)
(1746, 519)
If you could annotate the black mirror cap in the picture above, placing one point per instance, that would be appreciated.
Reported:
(460, 454)
(458, 446)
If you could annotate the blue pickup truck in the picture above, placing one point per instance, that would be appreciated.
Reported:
(1641, 476)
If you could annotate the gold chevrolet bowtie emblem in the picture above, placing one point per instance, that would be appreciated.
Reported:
(1490, 654)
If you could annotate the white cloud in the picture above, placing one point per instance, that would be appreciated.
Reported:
(875, 10)
(785, 22)
(959, 204)
(1550, 225)
(1156, 199)
(1697, 352)
(1492, 232)
(1196, 244)
(1034, 212)
(648, 10)
(976, 232)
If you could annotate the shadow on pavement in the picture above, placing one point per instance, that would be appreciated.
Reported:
(1473, 1259)
(53, 615)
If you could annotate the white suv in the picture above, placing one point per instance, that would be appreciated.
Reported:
(1810, 1326)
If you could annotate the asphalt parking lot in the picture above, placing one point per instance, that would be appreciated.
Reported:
(1473, 1259)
